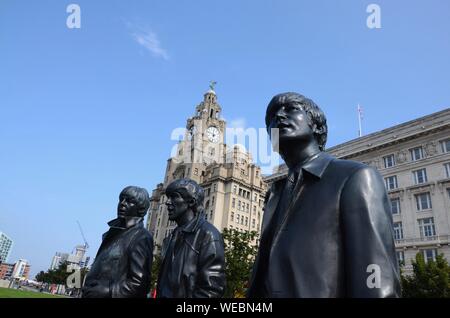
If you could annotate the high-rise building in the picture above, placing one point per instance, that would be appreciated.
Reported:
(6, 245)
(234, 188)
(414, 160)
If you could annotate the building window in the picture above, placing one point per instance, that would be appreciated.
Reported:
(246, 221)
(389, 161)
(420, 176)
(445, 145)
(214, 187)
(233, 203)
(253, 223)
(416, 153)
(248, 207)
(212, 201)
(395, 206)
(254, 209)
(256, 196)
(232, 216)
(234, 189)
(401, 258)
(423, 201)
(237, 218)
(447, 169)
(398, 231)
(391, 182)
(242, 219)
(426, 227)
(240, 192)
(429, 255)
(239, 205)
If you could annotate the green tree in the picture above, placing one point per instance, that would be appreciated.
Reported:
(156, 265)
(429, 279)
(240, 253)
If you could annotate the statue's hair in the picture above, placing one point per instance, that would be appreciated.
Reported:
(315, 114)
(188, 189)
(141, 195)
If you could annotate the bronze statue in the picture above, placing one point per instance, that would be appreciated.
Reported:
(327, 228)
(122, 267)
(193, 256)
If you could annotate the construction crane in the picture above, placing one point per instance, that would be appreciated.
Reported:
(86, 245)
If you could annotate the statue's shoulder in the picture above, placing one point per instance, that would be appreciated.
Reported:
(347, 165)
(210, 231)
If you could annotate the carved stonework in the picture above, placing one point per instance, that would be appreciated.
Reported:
(401, 156)
(431, 148)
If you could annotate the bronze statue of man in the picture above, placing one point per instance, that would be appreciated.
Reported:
(327, 228)
(122, 267)
(193, 256)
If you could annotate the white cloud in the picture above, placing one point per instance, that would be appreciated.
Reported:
(149, 40)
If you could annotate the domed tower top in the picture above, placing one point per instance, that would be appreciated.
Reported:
(210, 96)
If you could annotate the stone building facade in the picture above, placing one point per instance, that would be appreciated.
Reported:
(234, 187)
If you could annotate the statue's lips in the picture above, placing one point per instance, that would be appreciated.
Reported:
(283, 126)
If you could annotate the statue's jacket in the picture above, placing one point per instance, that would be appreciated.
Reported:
(193, 262)
(123, 262)
(336, 238)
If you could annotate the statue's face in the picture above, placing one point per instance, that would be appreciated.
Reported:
(127, 206)
(292, 123)
(176, 206)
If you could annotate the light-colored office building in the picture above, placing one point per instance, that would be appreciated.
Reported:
(76, 260)
(6, 245)
(414, 160)
(21, 270)
(234, 188)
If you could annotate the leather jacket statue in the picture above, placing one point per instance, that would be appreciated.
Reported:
(193, 262)
(122, 267)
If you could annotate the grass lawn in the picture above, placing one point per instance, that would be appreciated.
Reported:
(14, 293)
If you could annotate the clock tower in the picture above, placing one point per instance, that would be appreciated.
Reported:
(234, 190)
(203, 143)
(206, 132)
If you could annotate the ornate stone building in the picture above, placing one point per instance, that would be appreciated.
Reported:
(234, 188)
(414, 160)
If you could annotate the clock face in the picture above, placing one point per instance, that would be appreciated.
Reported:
(213, 134)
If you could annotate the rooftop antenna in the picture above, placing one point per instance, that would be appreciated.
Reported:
(360, 117)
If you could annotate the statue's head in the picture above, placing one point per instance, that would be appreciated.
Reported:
(184, 195)
(133, 202)
(297, 118)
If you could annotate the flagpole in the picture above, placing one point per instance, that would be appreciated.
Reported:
(359, 121)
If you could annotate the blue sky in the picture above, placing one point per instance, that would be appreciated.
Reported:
(85, 112)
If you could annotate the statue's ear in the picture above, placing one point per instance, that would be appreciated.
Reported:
(192, 203)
